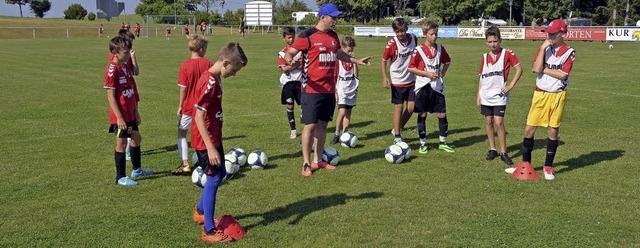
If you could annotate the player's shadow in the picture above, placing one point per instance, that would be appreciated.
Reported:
(297, 154)
(435, 134)
(468, 141)
(302, 208)
(589, 159)
(155, 175)
(538, 144)
(174, 147)
(353, 125)
(362, 157)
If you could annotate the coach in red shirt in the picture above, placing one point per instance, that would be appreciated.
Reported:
(320, 48)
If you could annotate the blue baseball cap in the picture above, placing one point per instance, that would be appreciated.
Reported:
(329, 9)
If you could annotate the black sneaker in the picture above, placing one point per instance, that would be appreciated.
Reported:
(491, 154)
(505, 158)
(335, 140)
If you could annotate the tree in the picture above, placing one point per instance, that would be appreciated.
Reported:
(75, 12)
(19, 3)
(91, 16)
(39, 7)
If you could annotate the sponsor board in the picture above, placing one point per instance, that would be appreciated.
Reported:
(535, 34)
(471, 33)
(512, 33)
(623, 34)
(586, 34)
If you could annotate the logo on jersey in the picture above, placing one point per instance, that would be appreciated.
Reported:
(553, 67)
(327, 60)
(128, 93)
(492, 74)
(433, 67)
(404, 55)
(219, 115)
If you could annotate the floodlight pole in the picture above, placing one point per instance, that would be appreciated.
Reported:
(510, 2)
(175, 13)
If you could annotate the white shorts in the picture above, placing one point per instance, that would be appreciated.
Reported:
(342, 100)
(185, 122)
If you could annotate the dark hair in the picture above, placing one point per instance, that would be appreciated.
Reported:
(288, 31)
(118, 43)
(234, 53)
(399, 23)
(348, 41)
(493, 31)
(126, 34)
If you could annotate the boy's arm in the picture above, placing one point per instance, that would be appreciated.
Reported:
(183, 96)
(385, 78)
(356, 71)
(113, 104)
(444, 70)
(138, 119)
(134, 62)
(478, 103)
(515, 79)
(538, 62)
(289, 55)
(214, 156)
(347, 58)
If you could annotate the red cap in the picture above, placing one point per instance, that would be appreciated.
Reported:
(555, 26)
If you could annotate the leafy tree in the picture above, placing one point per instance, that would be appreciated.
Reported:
(282, 11)
(75, 11)
(19, 3)
(91, 16)
(39, 7)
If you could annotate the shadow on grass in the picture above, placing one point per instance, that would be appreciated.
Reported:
(589, 159)
(538, 144)
(353, 125)
(297, 154)
(158, 174)
(302, 208)
(432, 135)
(174, 147)
(362, 157)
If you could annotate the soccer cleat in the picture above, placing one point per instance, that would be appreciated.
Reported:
(215, 236)
(335, 140)
(182, 169)
(140, 173)
(491, 154)
(322, 165)
(125, 181)
(445, 147)
(423, 149)
(198, 215)
(293, 134)
(393, 132)
(306, 170)
(506, 159)
(397, 140)
(548, 173)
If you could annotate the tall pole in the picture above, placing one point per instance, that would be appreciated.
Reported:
(175, 13)
(510, 2)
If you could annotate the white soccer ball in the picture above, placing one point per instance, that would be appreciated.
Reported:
(349, 140)
(406, 150)
(231, 166)
(610, 46)
(198, 177)
(240, 154)
(330, 155)
(257, 159)
(394, 154)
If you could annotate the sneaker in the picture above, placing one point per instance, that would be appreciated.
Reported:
(198, 215)
(215, 236)
(306, 170)
(293, 134)
(548, 173)
(491, 154)
(513, 168)
(335, 140)
(126, 181)
(445, 147)
(393, 132)
(322, 165)
(422, 149)
(506, 159)
(140, 173)
(397, 140)
(128, 155)
(182, 169)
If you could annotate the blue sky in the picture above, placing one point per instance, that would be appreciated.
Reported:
(58, 7)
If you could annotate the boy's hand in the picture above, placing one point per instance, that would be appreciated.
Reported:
(122, 125)
(478, 101)
(545, 44)
(442, 74)
(385, 82)
(214, 157)
(132, 53)
(179, 111)
(364, 61)
(506, 88)
(432, 75)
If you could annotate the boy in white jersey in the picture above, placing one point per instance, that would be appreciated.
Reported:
(430, 62)
(553, 62)
(493, 92)
(290, 80)
(346, 88)
(398, 51)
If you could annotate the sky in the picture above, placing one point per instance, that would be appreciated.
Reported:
(58, 7)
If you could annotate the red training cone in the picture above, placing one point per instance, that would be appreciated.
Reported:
(524, 171)
(230, 227)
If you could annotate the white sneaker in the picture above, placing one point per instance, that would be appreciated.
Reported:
(510, 170)
(393, 132)
(548, 173)
(293, 134)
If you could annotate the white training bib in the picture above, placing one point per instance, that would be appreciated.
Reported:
(398, 69)
(492, 80)
(293, 75)
(430, 65)
(347, 84)
(551, 61)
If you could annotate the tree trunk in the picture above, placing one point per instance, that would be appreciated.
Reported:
(20, 6)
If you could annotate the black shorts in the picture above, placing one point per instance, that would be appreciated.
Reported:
(317, 107)
(344, 106)
(131, 126)
(203, 161)
(399, 95)
(429, 101)
(493, 110)
(291, 93)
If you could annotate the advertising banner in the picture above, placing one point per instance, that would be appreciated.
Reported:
(586, 34)
(444, 32)
(535, 34)
(512, 33)
(471, 33)
(623, 34)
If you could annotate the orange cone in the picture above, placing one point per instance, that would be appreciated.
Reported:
(230, 227)
(525, 171)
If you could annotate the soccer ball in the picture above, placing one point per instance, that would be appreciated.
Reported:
(198, 177)
(610, 46)
(257, 159)
(230, 165)
(240, 155)
(394, 154)
(349, 140)
(330, 155)
(406, 150)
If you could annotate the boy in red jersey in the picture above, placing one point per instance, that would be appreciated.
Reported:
(398, 51)
(290, 80)
(168, 31)
(320, 47)
(123, 111)
(186, 30)
(493, 92)
(553, 62)
(430, 62)
(136, 29)
(206, 135)
(100, 30)
(190, 72)
(203, 28)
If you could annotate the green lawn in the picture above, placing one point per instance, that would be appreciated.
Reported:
(57, 186)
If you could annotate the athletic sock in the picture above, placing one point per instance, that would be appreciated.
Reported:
(552, 147)
(527, 147)
(443, 125)
(422, 127)
(135, 157)
(292, 121)
(337, 133)
(121, 164)
(183, 148)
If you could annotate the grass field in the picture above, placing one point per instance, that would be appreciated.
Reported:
(57, 186)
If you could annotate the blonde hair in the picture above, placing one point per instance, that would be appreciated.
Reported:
(428, 25)
(233, 53)
(198, 43)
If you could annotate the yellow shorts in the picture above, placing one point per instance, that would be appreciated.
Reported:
(546, 109)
